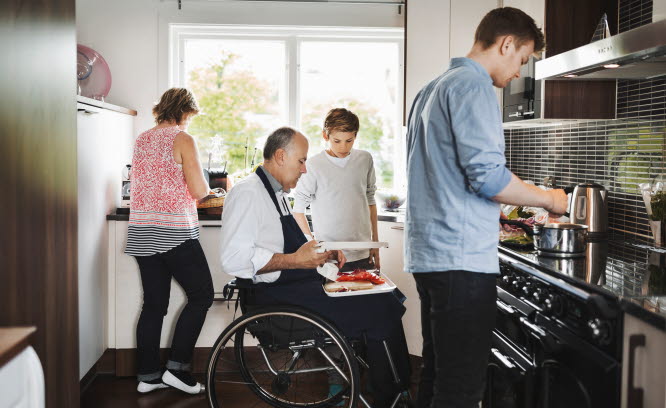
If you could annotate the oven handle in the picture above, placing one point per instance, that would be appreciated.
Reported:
(548, 341)
(634, 394)
(504, 307)
(502, 359)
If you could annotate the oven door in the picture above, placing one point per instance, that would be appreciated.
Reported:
(510, 377)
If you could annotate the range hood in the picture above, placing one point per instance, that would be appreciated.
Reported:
(635, 54)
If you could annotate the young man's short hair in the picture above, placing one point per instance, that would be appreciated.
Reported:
(509, 21)
(341, 120)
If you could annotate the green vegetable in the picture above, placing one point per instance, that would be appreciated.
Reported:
(521, 240)
(522, 213)
(658, 204)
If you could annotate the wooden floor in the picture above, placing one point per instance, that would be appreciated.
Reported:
(108, 391)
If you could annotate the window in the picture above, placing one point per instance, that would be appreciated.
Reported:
(252, 80)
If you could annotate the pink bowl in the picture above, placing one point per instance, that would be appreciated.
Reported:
(94, 73)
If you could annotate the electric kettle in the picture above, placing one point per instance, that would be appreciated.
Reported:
(589, 206)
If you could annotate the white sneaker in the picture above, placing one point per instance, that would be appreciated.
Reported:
(170, 379)
(145, 387)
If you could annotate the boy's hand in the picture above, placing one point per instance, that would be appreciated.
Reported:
(374, 257)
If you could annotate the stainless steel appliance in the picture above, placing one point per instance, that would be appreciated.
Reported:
(556, 344)
(635, 54)
(558, 240)
(589, 206)
(522, 97)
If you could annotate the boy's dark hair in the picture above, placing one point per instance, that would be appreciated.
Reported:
(340, 120)
(279, 139)
(173, 104)
(509, 21)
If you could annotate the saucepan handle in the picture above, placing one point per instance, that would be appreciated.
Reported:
(522, 225)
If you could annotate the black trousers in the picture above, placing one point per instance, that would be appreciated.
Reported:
(457, 318)
(187, 264)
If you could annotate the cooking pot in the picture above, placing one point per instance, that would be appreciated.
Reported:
(563, 239)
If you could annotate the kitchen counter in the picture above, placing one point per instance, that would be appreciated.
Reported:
(122, 214)
(632, 271)
(13, 340)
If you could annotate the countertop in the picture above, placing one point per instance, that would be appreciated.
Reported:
(632, 271)
(12, 342)
(121, 214)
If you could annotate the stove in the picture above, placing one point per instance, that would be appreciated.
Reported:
(558, 337)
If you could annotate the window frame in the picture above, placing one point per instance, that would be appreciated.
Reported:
(293, 37)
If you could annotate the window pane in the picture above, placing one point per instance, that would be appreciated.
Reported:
(241, 88)
(359, 76)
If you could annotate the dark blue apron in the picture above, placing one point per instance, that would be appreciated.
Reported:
(378, 316)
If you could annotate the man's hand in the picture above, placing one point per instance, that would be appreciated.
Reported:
(374, 257)
(559, 202)
(340, 257)
(307, 256)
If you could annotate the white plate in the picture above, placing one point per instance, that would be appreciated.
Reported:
(388, 286)
(331, 246)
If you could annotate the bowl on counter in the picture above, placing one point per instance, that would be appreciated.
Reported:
(390, 200)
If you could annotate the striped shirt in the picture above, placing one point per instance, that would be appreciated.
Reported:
(163, 214)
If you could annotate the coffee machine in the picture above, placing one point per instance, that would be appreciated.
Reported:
(589, 206)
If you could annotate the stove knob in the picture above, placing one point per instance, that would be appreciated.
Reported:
(527, 289)
(506, 281)
(553, 305)
(538, 296)
(599, 330)
(517, 283)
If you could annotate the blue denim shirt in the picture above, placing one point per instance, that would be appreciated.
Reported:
(455, 165)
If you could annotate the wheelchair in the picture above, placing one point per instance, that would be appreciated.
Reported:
(283, 356)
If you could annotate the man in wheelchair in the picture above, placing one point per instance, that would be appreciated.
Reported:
(265, 249)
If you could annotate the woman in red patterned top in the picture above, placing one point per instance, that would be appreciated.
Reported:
(163, 235)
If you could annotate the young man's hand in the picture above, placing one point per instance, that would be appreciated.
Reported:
(560, 202)
(374, 257)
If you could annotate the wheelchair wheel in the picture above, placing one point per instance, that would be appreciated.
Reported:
(281, 356)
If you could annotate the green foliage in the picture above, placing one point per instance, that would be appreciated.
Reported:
(226, 98)
(658, 204)
(373, 136)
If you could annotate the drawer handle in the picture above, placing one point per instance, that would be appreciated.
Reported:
(398, 227)
(634, 394)
(212, 226)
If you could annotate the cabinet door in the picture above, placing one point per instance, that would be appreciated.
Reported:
(392, 266)
(209, 237)
(426, 45)
(644, 360)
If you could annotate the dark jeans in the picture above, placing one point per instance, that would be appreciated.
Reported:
(457, 318)
(187, 264)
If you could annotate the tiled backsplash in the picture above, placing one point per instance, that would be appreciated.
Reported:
(617, 153)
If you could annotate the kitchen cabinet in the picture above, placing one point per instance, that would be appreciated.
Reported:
(105, 136)
(392, 265)
(644, 364)
(125, 293)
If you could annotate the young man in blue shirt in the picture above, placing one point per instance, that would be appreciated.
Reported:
(457, 178)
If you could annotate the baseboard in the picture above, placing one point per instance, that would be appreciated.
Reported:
(106, 364)
(122, 363)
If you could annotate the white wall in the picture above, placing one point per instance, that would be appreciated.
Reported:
(103, 148)
(132, 35)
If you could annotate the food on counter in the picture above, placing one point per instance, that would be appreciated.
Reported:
(361, 275)
(347, 286)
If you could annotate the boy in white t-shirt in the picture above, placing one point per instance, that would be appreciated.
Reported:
(340, 188)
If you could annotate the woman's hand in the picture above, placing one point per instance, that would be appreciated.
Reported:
(374, 257)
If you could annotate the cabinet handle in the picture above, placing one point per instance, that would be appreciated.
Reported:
(87, 111)
(634, 394)
(515, 115)
(504, 307)
(211, 226)
(502, 359)
(398, 227)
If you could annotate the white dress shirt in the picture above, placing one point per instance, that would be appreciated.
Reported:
(251, 230)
